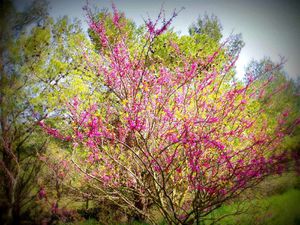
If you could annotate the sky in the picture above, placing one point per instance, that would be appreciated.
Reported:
(270, 28)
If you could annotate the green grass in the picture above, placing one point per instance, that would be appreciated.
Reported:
(88, 222)
(283, 209)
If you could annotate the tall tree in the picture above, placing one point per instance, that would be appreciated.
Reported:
(281, 95)
(208, 25)
(38, 56)
(16, 128)
(179, 136)
(209, 29)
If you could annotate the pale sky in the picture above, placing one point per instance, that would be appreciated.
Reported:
(269, 27)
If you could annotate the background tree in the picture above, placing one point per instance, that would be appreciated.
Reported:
(62, 72)
(17, 167)
(207, 32)
(39, 63)
(208, 25)
(281, 96)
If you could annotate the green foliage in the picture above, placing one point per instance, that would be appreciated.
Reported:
(207, 25)
(196, 46)
(285, 98)
(18, 138)
(60, 67)
(113, 34)
(41, 68)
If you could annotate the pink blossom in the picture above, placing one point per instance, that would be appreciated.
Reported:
(42, 193)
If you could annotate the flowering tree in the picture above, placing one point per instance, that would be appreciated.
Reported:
(180, 135)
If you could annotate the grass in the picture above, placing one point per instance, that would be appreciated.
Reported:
(283, 209)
